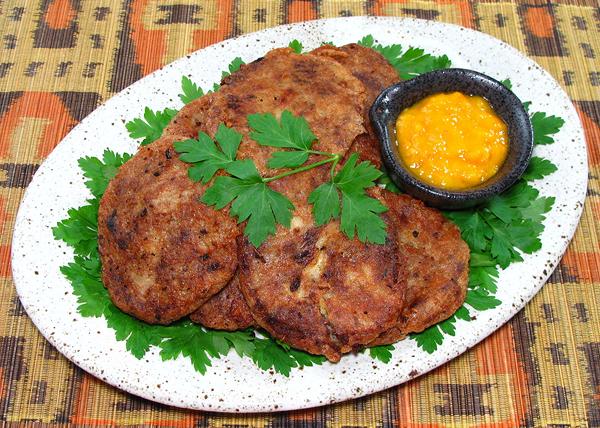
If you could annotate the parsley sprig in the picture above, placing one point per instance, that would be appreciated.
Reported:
(359, 212)
(189, 91)
(296, 46)
(409, 63)
(233, 66)
(251, 198)
(150, 128)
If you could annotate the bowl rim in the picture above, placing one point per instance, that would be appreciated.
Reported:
(476, 194)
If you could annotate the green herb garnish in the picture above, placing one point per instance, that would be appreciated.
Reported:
(544, 126)
(290, 132)
(382, 353)
(296, 45)
(410, 63)
(253, 200)
(359, 212)
(233, 66)
(189, 91)
(538, 168)
(150, 128)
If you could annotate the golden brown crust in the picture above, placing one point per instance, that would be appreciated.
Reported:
(190, 118)
(376, 74)
(163, 252)
(226, 310)
(319, 291)
(435, 261)
(366, 64)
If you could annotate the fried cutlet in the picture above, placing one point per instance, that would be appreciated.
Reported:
(319, 291)
(366, 64)
(435, 261)
(163, 252)
(432, 252)
(376, 73)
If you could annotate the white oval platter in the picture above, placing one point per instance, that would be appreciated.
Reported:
(237, 385)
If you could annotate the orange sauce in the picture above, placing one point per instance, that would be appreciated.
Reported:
(452, 141)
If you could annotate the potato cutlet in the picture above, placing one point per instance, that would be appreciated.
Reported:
(376, 73)
(320, 89)
(425, 237)
(319, 291)
(435, 261)
(366, 64)
(163, 252)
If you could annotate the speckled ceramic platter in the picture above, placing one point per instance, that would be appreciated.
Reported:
(234, 384)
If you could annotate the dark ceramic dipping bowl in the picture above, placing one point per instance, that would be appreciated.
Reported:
(390, 103)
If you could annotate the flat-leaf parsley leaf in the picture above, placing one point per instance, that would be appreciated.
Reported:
(410, 63)
(150, 128)
(544, 126)
(189, 90)
(539, 168)
(290, 132)
(296, 45)
(359, 213)
(205, 156)
(253, 201)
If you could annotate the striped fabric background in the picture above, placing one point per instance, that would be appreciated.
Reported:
(60, 58)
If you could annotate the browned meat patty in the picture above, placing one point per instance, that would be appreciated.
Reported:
(376, 73)
(226, 310)
(319, 291)
(163, 252)
(435, 261)
(366, 64)
(318, 88)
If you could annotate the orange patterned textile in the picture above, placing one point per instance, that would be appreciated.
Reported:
(60, 58)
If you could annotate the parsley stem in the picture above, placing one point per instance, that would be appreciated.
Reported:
(316, 152)
(335, 162)
(333, 158)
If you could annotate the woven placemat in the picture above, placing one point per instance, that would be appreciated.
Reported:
(60, 58)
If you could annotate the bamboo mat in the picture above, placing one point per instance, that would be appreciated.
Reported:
(60, 58)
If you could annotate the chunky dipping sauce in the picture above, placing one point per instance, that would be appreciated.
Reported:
(452, 141)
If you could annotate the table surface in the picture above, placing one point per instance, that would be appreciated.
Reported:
(61, 58)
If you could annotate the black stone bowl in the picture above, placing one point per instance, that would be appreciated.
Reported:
(393, 100)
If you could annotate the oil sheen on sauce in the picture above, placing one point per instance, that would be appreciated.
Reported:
(452, 141)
